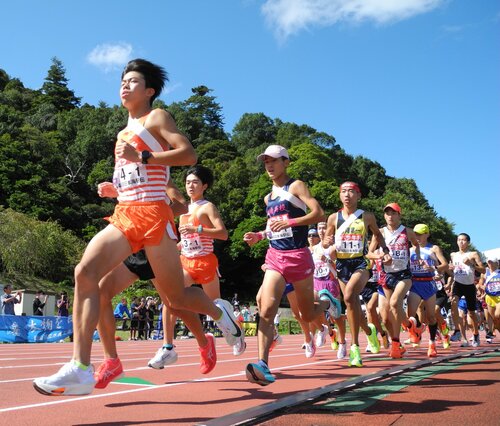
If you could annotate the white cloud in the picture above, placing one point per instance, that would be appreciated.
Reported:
(110, 56)
(288, 17)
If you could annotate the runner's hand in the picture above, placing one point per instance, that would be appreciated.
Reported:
(107, 190)
(124, 150)
(252, 238)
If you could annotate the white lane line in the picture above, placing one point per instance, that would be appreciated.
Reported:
(148, 388)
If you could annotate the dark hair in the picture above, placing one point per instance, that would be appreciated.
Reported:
(154, 75)
(201, 172)
(465, 235)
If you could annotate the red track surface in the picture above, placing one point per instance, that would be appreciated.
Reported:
(180, 394)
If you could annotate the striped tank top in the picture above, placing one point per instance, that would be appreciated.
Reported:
(195, 245)
(137, 182)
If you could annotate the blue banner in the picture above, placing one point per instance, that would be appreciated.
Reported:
(34, 329)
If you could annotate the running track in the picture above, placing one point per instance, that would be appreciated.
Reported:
(179, 394)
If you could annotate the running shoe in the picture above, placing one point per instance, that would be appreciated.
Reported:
(162, 358)
(431, 352)
(476, 341)
(259, 373)
(108, 371)
(444, 328)
(368, 348)
(373, 340)
(277, 340)
(464, 344)
(355, 357)
(334, 308)
(446, 341)
(320, 338)
(209, 355)
(240, 347)
(334, 343)
(227, 322)
(342, 351)
(415, 332)
(310, 350)
(385, 340)
(69, 380)
(397, 350)
(456, 336)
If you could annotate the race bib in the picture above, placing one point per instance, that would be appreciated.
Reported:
(284, 233)
(321, 270)
(130, 175)
(439, 285)
(191, 245)
(350, 243)
(492, 287)
(399, 260)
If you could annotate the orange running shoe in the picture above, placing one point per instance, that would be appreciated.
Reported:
(431, 352)
(108, 371)
(415, 332)
(208, 355)
(277, 340)
(397, 350)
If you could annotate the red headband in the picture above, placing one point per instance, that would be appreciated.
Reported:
(350, 185)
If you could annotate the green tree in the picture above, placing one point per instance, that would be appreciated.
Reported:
(199, 117)
(55, 88)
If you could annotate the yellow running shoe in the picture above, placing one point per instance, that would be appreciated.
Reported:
(333, 337)
(355, 357)
(372, 338)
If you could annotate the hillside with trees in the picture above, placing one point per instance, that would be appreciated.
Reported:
(54, 151)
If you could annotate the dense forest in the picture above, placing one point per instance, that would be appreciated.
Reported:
(54, 151)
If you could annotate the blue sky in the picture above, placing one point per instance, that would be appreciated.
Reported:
(412, 84)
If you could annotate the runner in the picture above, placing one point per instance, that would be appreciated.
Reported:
(135, 267)
(425, 280)
(288, 258)
(350, 226)
(463, 265)
(144, 152)
(325, 277)
(198, 228)
(490, 282)
(370, 297)
(395, 275)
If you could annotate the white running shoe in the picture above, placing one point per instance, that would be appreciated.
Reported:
(162, 358)
(227, 323)
(368, 348)
(320, 338)
(240, 347)
(69, 380)
(310, 349)
(342, 351)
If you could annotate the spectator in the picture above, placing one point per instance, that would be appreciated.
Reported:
(63, 305)
(134, 322)
(246, 313)
(237, 314)
(150, 316)
(141, 310)
(38, 305)
(234, 300)
(8, 300)
(122, 312)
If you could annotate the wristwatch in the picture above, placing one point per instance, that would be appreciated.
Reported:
(145, 156)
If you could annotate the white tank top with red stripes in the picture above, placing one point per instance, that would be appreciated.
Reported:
(137, 182)
(195, 245)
